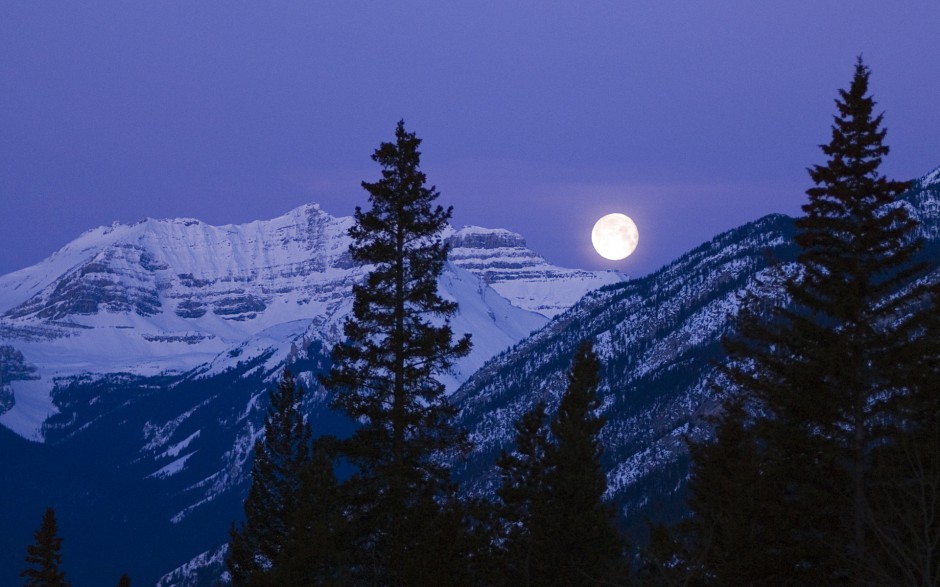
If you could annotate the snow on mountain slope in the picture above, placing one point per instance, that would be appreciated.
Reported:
(659, 340)
(171, 452)
(494, 323)
(923, 203)
(503, 261)
(170, 296)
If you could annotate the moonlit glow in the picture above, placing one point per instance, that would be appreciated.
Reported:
(615, 236)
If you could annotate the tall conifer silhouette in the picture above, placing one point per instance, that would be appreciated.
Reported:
(45, 556)
(558, 529)
(385, 374)
(280, 459)
(824, 378)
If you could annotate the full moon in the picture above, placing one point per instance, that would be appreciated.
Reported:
(615, 236)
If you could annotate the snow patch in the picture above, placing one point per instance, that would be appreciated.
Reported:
(179, 447)
(187, 574)
(931, 178)
(173, 468)
(33, 405)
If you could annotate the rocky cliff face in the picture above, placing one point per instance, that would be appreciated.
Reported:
(194, 270)
(502, 260)
(469, 238)
(166, 296)
(184, 267)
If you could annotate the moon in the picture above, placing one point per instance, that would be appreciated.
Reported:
(615, 236)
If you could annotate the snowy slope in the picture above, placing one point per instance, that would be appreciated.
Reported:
(659, 340)
(502, 259)
(170, 451)
(172, 296)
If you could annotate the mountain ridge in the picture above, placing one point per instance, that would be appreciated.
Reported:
(659, 340)
(169, 449)
(164, 296)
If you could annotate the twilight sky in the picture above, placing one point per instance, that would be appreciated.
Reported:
(538, 116)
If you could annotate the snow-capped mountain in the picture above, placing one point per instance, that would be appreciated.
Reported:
(169, 296)
(139, 356)
(503, 261)
(147, 457)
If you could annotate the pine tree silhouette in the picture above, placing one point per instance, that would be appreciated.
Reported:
(557, 528)
(825, 377)
(522, 493)
(385, 375)
(280, 458)
(581, 545)
(45, 556)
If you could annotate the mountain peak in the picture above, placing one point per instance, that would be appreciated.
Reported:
(930, 179)
(177, 294)
(504, 262)
(477, 237)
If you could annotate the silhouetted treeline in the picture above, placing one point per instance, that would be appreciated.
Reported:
(825, 469)
(398, 519)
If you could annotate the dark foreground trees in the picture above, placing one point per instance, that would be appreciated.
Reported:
(315, 551)
(584, 547)
(522, 501)
(397, 519)
(45, 556)
(824, 389)
(557, 528)
(385, 376)
(279, 459)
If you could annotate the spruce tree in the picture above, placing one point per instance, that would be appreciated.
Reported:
(384, 375)
(904, 517)
(856, 249)
(521, 495)
(576, 533)
(124, 581)
(731, 534)
(280, 458)
(314, 553)
(824, 376)
(45, 555)
(557, 528)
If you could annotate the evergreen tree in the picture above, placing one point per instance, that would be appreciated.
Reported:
(731, 528)
(384, 375)
(904, 517)
(581, 545)
(856, 249)
(45, 556)
(558, 529)
(280, 458)
(124, 581)
(314, 551)
(521, 493)
(825, 375)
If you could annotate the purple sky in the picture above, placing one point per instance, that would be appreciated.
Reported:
(537, 116)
